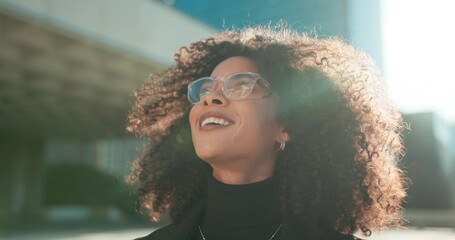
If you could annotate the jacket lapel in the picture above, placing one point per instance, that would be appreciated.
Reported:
(188, 227)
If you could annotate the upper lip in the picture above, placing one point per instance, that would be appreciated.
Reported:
(214, 114)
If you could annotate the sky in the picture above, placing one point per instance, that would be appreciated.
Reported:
(419, 52)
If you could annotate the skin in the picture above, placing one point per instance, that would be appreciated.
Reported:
(245, 151)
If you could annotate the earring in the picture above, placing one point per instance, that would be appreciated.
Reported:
(282, 145)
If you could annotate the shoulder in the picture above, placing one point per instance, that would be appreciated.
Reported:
(342, 236)
(184, 229)
(163, 233)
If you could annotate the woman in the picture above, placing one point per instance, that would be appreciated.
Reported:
(268, 134)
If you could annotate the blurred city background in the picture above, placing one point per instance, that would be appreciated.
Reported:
(68, 69)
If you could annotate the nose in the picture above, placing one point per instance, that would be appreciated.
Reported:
(215, 97)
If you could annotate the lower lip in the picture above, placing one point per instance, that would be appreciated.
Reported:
(212, 127)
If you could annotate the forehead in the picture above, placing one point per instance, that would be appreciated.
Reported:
(234, 65)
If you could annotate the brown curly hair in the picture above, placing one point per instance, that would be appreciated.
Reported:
(341, 168)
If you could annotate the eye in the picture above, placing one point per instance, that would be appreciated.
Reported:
(205, 88)
(241, 86)
(240, 89)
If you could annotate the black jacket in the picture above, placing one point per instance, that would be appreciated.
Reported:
(188, 229)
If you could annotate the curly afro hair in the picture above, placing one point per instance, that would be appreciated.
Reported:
(341, 169)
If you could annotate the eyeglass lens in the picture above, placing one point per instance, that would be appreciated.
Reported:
(238, 86)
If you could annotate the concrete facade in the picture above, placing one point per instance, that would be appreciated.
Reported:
(68, 70)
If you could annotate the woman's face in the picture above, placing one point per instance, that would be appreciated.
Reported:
(248, 133)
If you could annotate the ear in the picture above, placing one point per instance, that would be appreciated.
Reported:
(283, 135)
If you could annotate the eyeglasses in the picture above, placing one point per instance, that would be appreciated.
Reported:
(235, 87)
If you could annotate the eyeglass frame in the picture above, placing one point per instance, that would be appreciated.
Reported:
(256, 77)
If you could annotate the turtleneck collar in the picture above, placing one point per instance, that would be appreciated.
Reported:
(247, 205)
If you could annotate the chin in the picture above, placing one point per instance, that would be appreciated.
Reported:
(206, 156)
(207, 153)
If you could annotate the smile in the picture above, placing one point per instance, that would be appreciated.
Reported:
(215, 121)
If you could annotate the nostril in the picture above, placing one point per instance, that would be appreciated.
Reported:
(216, 101)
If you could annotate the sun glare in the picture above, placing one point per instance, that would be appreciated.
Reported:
(419, 51)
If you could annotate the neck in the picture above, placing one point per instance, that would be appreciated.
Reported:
(243, 175)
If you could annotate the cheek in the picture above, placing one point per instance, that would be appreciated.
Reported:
(264, 113)
(260, 119)
(192, 117)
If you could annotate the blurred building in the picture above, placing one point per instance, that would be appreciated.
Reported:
(358, 22)
(430, 162)
(67, 74)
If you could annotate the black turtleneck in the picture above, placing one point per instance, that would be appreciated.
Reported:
(242, 212)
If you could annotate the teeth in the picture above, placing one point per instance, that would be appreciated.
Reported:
(215, 120)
